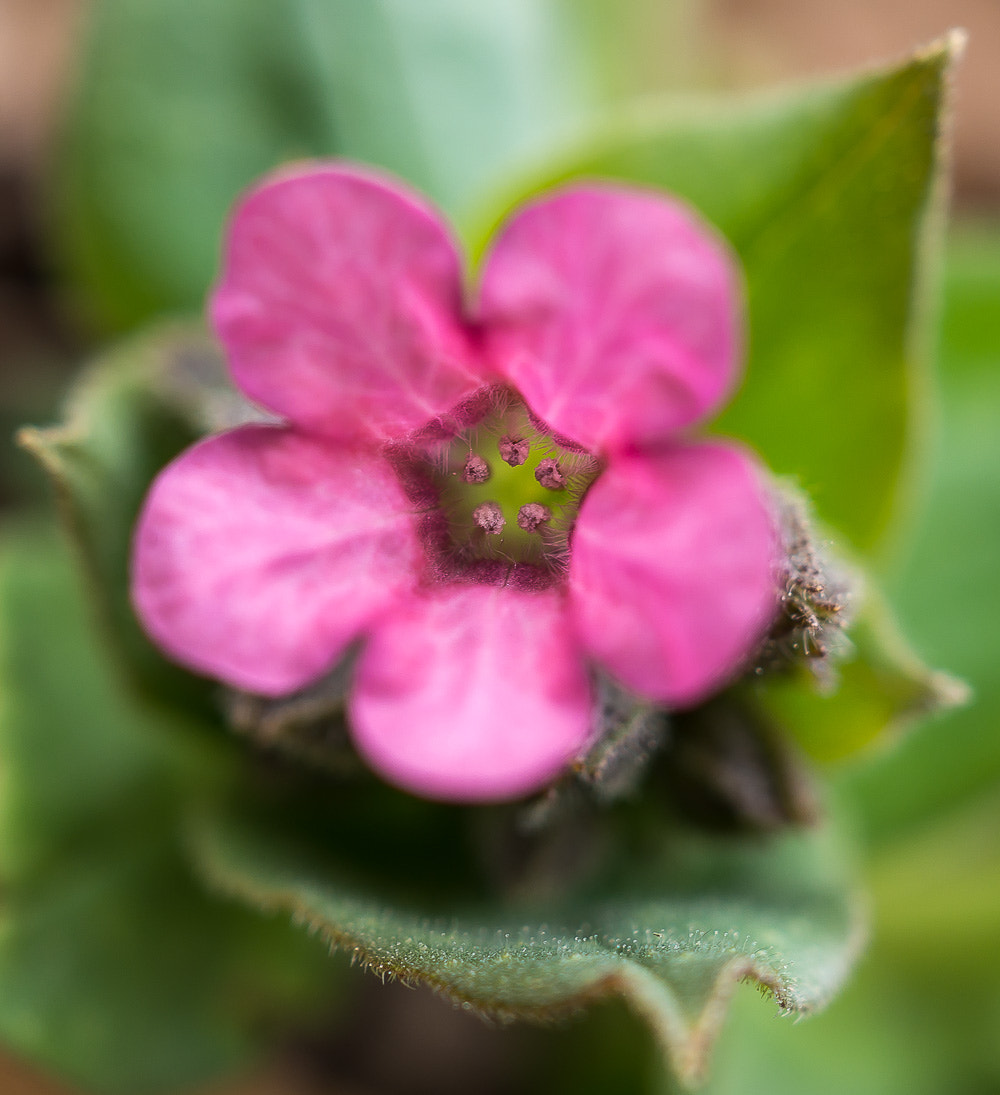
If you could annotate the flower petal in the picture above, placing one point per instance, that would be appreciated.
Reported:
(261, 553)
(673, 571)
(615, 312)
(340, 303)
(474, 693)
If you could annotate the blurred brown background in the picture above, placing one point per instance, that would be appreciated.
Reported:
(764, 40)
(743, 43)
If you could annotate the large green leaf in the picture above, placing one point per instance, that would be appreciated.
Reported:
(679, 921)
(826, 193)
(116, 969)
(182, 103)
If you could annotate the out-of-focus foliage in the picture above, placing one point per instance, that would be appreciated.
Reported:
(59, 717)
(117, 970)
(921, 1014)
(183, 103)
(945, 589)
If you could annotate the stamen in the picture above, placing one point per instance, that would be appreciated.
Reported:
(476, 469)
(489, 517)
(550, 475)
(514, 450)
(533, 515)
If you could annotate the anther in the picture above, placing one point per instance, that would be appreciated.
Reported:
(550, 475)
(531, 516)
(476, 469)
(489, 517)
(514, 450)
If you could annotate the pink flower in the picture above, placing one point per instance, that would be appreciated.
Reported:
(491, 499)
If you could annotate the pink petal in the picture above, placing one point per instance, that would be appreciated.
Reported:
(474, 693)
(340, 303)
(262, 553)
(674, 569)
(615, 312)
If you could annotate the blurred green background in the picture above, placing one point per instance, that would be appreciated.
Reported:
(459, 95)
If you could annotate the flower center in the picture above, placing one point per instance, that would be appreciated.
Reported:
(505, 494)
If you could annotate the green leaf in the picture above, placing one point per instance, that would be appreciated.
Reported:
(825, 192)
(944, 590)
(116, 969)
(683, 919)
(880, 689)
(127, 417)
(181, 104)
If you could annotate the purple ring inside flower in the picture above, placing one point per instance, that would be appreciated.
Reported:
(503, 524)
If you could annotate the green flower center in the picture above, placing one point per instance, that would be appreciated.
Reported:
(510, 491)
